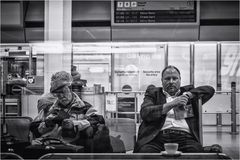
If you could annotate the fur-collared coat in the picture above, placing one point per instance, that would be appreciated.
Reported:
(82, 114)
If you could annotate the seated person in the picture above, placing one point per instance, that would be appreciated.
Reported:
(45, 102)
(69, 118)
(77, 83)
(170, 115)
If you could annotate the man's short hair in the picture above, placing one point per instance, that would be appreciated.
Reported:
(173, 67)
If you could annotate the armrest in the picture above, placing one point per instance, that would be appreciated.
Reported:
(215, 148)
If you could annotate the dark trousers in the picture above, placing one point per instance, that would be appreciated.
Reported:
(186, 143)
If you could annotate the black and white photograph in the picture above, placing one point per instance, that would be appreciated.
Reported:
(119, 79)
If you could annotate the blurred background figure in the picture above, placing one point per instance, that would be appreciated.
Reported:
(77, 83)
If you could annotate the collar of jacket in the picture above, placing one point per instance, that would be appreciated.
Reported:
(75, 100)
(168, 95)
(181, 90)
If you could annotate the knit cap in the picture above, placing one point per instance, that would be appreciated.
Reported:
(59, 80)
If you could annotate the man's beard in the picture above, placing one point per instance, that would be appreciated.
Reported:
(172, 89)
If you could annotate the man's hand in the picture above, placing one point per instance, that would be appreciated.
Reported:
(179, 101)
(44, 128)
(67, 124)
(189, 94)
(49, 121)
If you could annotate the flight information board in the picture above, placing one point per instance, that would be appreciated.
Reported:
(153, 11)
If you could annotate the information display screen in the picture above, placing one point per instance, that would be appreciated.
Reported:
(153, 12)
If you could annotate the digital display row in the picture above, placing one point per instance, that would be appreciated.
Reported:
(154, 12)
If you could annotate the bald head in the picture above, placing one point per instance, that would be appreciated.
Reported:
(171, 68)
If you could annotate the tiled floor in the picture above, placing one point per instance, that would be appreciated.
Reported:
(211, 135)
(222, 136)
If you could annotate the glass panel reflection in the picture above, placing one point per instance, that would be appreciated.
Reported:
(205, 64)
(179, 56)
(137, 65)
(150, 67)
(230, 61)
(126, 71)
(94, 69)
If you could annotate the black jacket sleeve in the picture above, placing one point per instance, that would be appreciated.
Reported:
(204, 92)
(34, 129)
(150, 110)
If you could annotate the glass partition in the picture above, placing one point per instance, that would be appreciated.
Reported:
(120, 66)
(109, 67)
(230, 62)
(137, 65)
(18, 76)
(126, 71)
(50, 58)
(179, 56)
(205, 64)
(94, 68)
(93, 62)
(150, 67)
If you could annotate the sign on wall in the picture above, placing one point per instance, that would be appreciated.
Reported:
(153, 12)
(111, 100)
(126, 71)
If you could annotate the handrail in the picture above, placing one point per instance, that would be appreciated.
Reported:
(216, 92)
(233, 112)
(10, 155)
(124, 92)
(133, 156)
(226, 92)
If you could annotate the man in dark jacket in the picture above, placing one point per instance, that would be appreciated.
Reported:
(170, 115)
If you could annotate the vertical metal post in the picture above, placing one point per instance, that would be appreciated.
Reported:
(104, 105)
(233, 109)
(4, 76)
(1, 75)
(72, 57)
(219, 119)
(30, 61)
(112, 72)
(219, 54)
(166, 55)
(200, 120)
(4, 125)
(135, 107)
(192, 52)
(116, 105)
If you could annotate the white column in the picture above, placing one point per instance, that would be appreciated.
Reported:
(57, 36)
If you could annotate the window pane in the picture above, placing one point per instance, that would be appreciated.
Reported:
(230, 61)
(205, 64)
(151, 65)
(138, 65)
(94, 68)
(126, 71)
(51, 58)
(179, 56)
